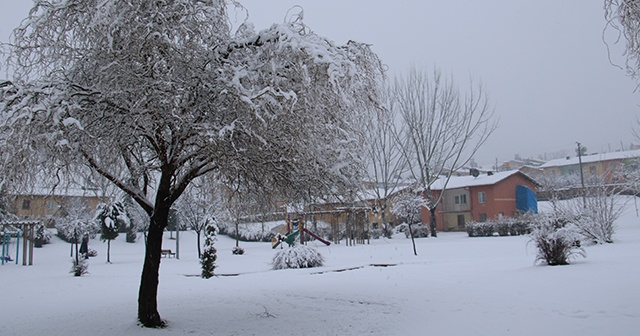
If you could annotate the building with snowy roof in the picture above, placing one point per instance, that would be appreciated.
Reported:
(605, 165)
(43, 203)
(482, 197)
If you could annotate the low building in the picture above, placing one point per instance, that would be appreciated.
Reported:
(606, 165)
(42, 203)
(480, 198)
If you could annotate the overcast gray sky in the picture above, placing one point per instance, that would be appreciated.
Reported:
(544, 62)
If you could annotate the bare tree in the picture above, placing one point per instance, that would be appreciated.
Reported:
(196, 207)
(384, 155)
(153, 94)
(442, 127)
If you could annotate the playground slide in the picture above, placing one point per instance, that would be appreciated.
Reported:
(316, 236)
(284, 235)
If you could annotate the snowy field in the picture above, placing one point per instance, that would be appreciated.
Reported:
(456, 286)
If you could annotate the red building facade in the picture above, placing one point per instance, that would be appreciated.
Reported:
(481, 198)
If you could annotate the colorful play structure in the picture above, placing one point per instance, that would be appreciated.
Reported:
(291, 230)
(24, 231)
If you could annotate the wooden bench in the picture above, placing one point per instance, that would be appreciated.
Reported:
(167, 253)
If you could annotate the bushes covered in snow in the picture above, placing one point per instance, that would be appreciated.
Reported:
(501, 227)
(237, 250)
(297, 256)
(556, 242)
(79, 267)
(246, 232)
(42, 236)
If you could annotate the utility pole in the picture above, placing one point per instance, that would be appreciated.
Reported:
(584, 200)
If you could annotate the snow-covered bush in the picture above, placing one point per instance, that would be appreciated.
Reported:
(419, 231)
(42, 235)
(503, 227)
(237, 250)
(297, 256)
(248, 233)
(480, 229)
(556, 243)
(80, 266)
(377, 233)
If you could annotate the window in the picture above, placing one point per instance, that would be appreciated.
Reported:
(26, 204)
(460, 199)
(51, 204)
(483, 217)
(460, 221)
(482, 197)
(592, 170)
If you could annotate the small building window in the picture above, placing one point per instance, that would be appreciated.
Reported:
(461, 199)
(592, 170)
(26, 204)
(51, 204)
(482, 197)
(483, 217)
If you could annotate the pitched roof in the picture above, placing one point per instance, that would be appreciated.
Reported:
(592, 158)
(470, 181)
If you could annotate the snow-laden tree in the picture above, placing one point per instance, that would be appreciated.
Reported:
(153, 94)
(443, 127)
(209, 256)
(5, 215)
(110, 218)
(408, 205)
(624, 17)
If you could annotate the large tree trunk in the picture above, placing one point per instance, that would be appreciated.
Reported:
(147, 297)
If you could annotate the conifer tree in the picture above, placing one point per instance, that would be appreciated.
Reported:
(209, 256)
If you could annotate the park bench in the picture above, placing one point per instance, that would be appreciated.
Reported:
(167, 253)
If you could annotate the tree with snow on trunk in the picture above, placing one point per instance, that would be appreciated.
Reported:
(154, 94)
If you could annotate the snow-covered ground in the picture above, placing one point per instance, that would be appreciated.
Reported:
(456, 286)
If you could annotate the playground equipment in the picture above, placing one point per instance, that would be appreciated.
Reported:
(291, 230)
(18, 229)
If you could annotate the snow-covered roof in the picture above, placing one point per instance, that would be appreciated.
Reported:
(592, 158)
(470, 181)
(69, 192)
